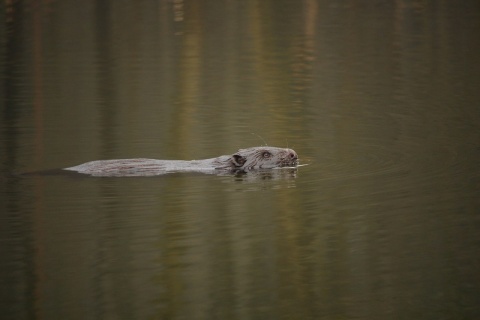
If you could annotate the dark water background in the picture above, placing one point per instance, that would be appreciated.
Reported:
(380, 98)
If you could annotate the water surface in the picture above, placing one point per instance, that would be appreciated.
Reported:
(381, 101)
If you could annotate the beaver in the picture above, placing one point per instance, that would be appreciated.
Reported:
(244, 160)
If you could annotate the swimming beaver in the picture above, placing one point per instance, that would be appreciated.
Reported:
(243, 160)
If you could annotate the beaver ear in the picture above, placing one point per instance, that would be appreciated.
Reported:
(238, 160)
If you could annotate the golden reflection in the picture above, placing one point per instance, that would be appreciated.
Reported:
(178, 10)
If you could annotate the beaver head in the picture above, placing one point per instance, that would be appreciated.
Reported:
(264, 158)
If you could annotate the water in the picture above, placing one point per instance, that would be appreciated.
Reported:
(381, 101)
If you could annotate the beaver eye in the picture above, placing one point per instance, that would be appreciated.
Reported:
(266, 154)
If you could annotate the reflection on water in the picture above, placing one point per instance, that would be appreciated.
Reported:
(379, 99)
(264, 180)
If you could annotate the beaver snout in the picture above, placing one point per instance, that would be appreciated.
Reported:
(292, 157)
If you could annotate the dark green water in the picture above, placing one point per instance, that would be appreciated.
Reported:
(380, 99)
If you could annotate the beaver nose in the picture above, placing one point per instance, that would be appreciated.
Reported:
(293, 157)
